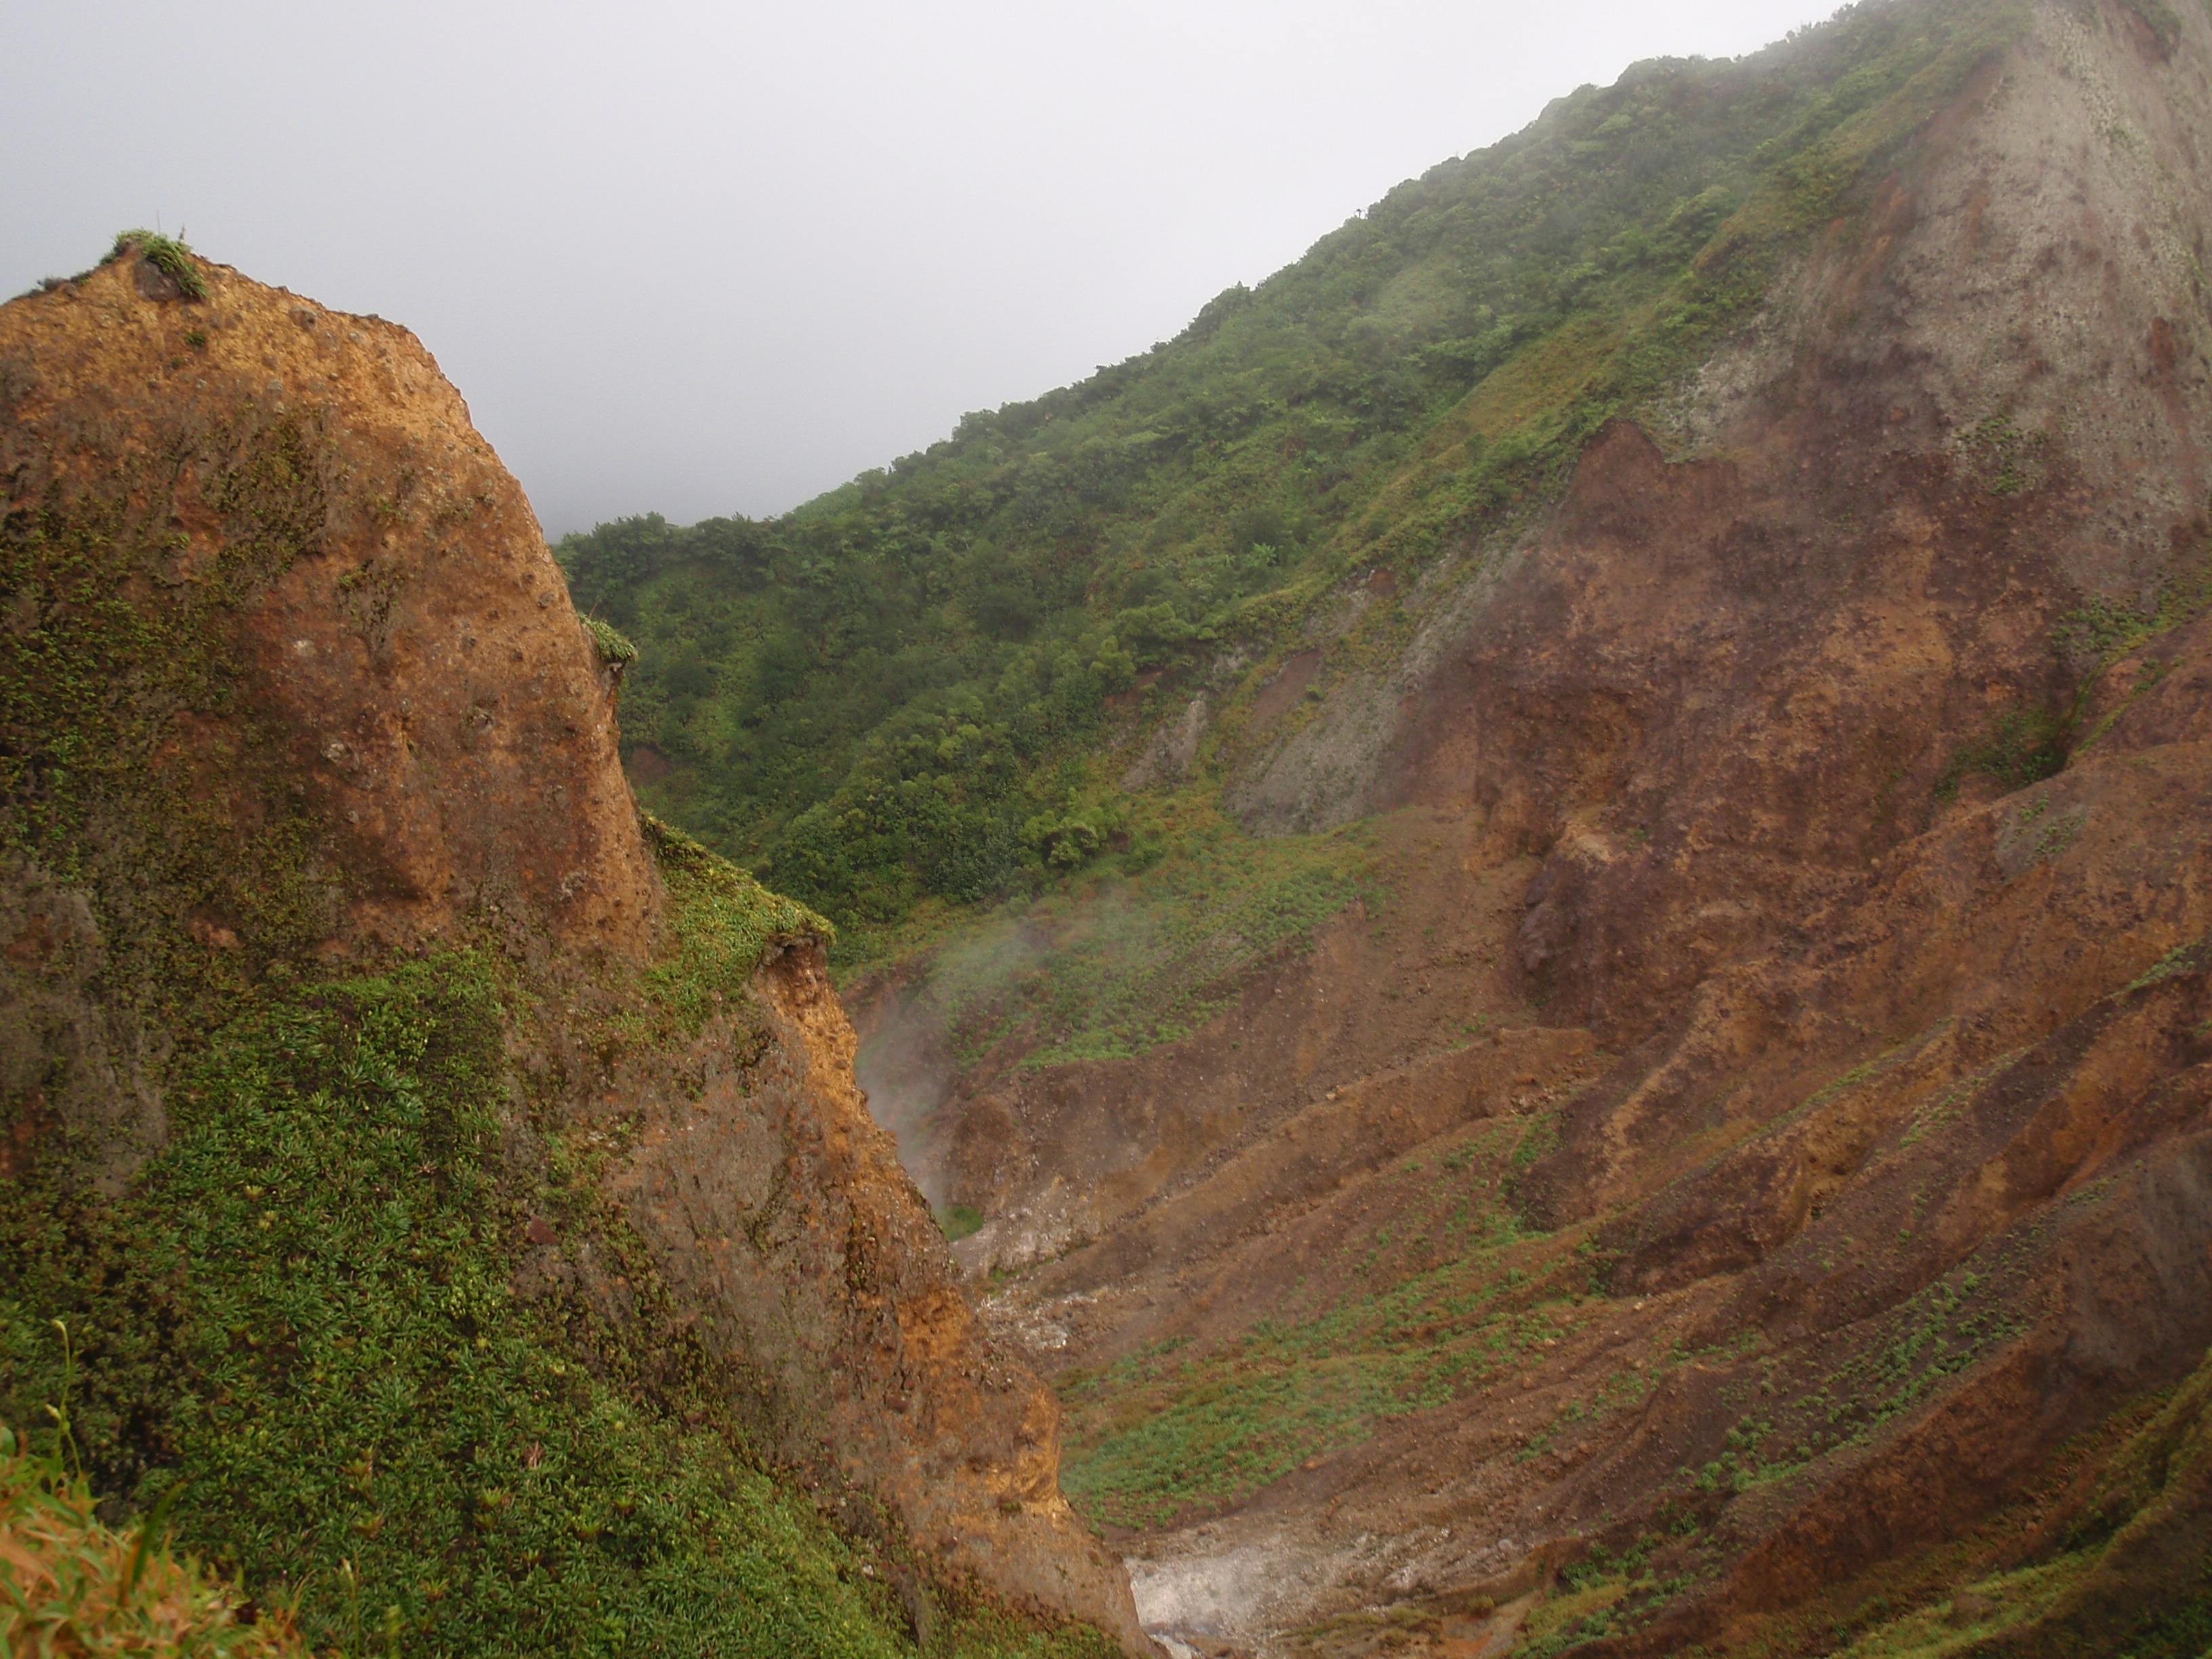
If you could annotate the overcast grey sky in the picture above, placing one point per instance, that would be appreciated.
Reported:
(712, 258)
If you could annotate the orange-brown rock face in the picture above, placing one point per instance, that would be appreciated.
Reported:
(782, 1222)
(408, 652)
(289, 684)
(1897, 1118)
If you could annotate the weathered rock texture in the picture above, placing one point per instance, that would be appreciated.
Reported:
(778, 1215)
(408, 666)
(292, 685)
(1723, 770)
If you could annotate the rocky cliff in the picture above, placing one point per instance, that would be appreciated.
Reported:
(457, 1181)
(1747, 1183)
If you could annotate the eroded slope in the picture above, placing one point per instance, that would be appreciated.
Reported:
(1746, 1180)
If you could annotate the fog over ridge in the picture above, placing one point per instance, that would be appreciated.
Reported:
(700, 259)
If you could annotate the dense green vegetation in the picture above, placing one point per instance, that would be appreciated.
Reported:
(299, 1331)
(893, 695)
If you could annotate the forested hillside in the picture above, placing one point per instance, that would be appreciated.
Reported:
(1539, 901)
(891, 695)
(1536, 910)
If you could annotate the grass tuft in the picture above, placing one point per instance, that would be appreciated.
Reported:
(167, 254)
(70, 1585)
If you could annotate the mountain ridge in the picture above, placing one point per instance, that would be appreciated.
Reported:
(1283, 427)
(1615, 1061)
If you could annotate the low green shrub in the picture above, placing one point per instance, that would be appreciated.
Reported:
(167, 254)
(613, 649)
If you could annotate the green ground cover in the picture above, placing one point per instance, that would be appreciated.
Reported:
(297, 1334)
(1134, 950)
(299, 1328)
(1447, 1297)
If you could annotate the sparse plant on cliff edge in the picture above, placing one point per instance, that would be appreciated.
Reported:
(167, 254)
(616, 652)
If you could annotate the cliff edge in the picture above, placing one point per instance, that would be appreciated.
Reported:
(453, 1185)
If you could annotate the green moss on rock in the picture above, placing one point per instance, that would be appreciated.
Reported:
(121, 642)
(723, 923)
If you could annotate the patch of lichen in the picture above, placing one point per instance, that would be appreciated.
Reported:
(132, 763)
(303, 1325)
